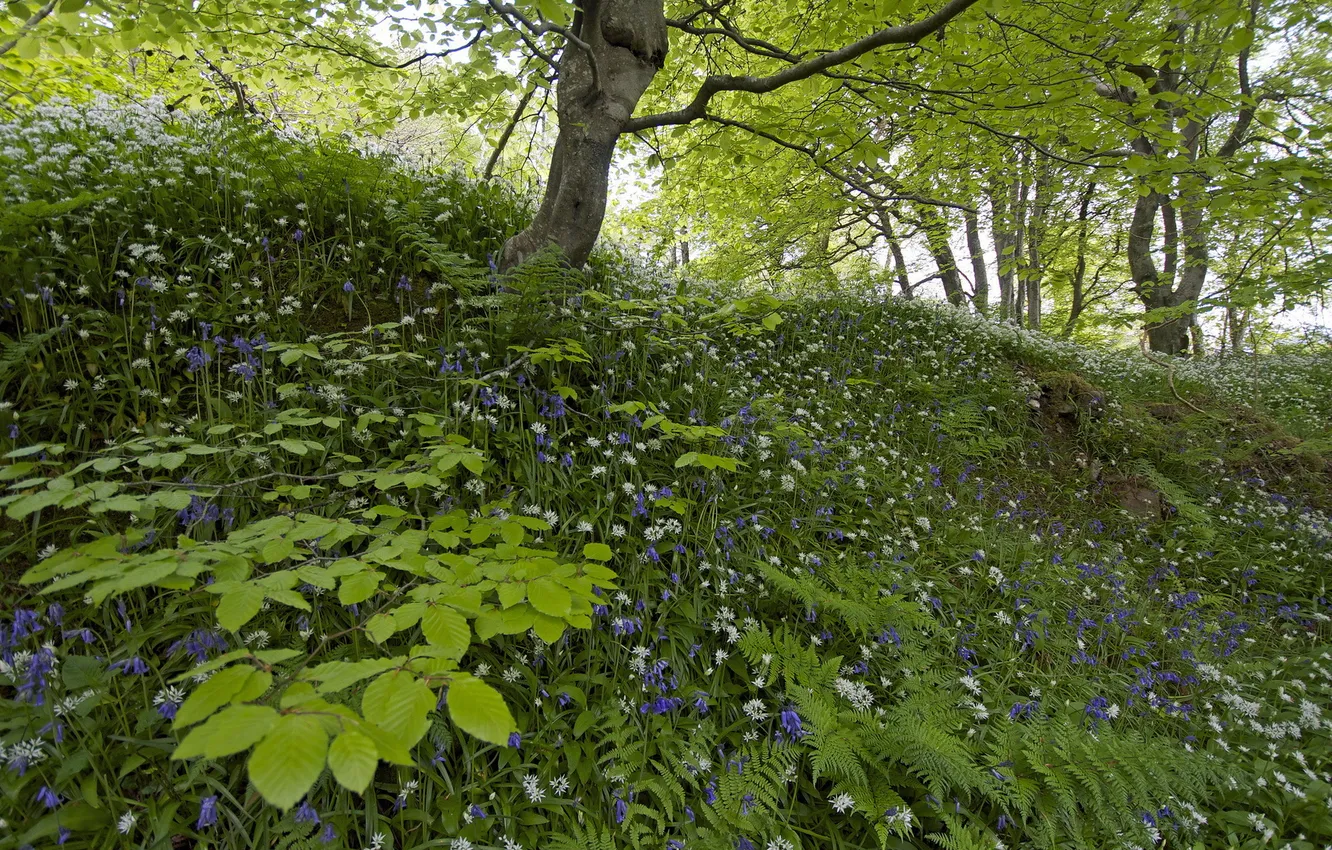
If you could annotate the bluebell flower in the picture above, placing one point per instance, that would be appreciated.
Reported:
(197, 359)
(133, 666)
(207, 812)
(47, 797)
(791, 722)
(306, 814)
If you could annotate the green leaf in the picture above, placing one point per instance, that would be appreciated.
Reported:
(548, 628)
(277, 549)
(254, 687)
(82, 671)
(445, 627)
(488, 624)
(399, 704)
(549, 597)
(353, 758)
(686, 459)
(289, 760)
(510, 594)
(584, 722)
(511, 532)
(239, 606)
(212, 695)
(359, 587)
(597, 552)
(237, 728)
(479, 710)
(381, 627)
(333, 676)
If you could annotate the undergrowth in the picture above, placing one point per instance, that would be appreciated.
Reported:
(321, 533)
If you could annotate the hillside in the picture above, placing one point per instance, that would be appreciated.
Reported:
(320, 533)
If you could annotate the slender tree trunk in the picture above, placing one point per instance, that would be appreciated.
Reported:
(597, 93)
(981, 298)
(1020, 193)
(936, 236)
(1038, 224)
(1001, 230)
(1080, 265)
(895, 248)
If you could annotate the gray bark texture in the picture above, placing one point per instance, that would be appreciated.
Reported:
(1172, 335)
(981, 298)
(936, 236)
(626, 39)
(1001, 228)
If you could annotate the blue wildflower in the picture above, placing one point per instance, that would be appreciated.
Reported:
(207, 812)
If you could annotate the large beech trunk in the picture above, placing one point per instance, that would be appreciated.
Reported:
(628, 40)
(1157, 291)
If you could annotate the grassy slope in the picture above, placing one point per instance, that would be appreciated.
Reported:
(955, 551)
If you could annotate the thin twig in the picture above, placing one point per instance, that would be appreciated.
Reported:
(28, 26)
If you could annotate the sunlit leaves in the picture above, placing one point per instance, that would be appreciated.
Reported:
(479, 710)
(289, 759)
(398, 703)
(352, 758)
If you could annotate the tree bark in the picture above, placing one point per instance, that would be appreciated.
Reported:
(597, 93)
(981, 296)
(1019, 213)
(1001, 229)
(936, 236)
(1037, 225)
(895, 248)
(1079, 278)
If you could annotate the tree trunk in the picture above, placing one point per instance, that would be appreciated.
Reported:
(1173, 334)
(598, 90)
(1079, 278)
(895, 248)
(936, 236)
(1019, 214)
(981, 298)
(1001, 229)
(1036, 228)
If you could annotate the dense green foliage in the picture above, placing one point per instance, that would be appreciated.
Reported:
(317, 533)
(1078, 166)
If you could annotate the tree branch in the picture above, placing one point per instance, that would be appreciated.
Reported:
(504, 10)
(390, 66)
(508, 131)
(1245, 117)
(28, 26)
(847, 179)
(905, 34)
(753, 45)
